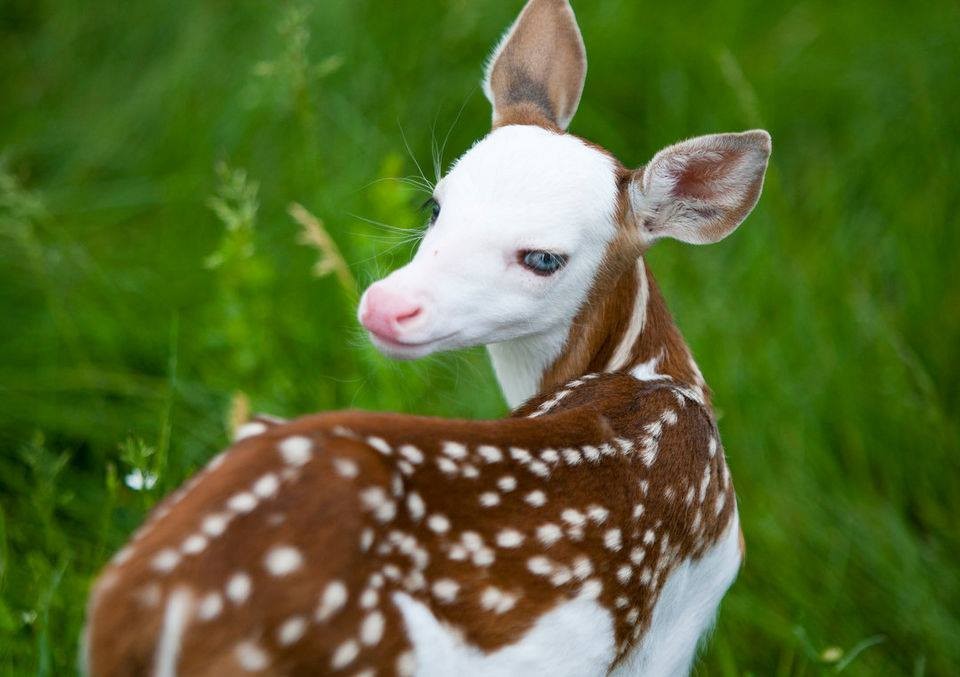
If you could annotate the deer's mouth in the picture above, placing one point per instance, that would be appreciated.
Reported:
(401, 349)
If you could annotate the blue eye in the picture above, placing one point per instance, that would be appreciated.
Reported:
(434, 208)
(541, 262)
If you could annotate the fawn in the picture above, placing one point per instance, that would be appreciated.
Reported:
(594, 531)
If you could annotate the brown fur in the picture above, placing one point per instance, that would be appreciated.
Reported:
(324, 519)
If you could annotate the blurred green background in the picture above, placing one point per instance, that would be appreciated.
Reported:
(153, 283)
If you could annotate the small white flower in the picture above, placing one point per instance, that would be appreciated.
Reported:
(138, 480)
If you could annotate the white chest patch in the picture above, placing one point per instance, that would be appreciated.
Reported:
(575, 639)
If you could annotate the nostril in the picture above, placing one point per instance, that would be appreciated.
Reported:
(408, 315)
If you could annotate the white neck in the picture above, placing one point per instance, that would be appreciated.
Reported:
(519, 364)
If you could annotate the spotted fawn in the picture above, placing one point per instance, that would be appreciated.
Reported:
(594, 531)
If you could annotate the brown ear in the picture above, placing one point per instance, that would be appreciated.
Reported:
(701, 189)
(538, 69)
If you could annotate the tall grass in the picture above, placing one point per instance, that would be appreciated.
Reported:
(172, 172)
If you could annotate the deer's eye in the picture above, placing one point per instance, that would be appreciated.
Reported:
(541, 262)
(433, 208)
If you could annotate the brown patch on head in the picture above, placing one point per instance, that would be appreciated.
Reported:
(538, 71)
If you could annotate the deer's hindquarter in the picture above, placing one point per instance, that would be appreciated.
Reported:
(539, 543)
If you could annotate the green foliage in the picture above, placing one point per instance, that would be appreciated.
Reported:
(191, 194)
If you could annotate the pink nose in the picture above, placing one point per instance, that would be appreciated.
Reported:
(385, 313)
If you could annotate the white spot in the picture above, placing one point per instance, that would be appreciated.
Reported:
(296, 450)
(214, 525)
(438, 523)
(375, 499)
(149, 595)
(445, 590)
(612, 540)
(489, 453)
(592, 588)
(597, 513)
(638, 511)
(538, 468)
(549, 456)
(415, 506)
(412, 454)
(366, 539)
(210, 606)
(333, 598)
(496, 600)
(250, 429)
(705, 482)
(488, 499)
(250, 656)
(239, 587)
(582, 567)
(345, 654)
(266, 486)
(509, 538)
(471, 540)
(194, 544)
(380, 445)
(571, 456)
(175, 620)
(637, 554)
(712, 447)
(669, 416)
(455, 450)
(457, 552)
(283, 560)
(483, 557)
(536, 498)
(291, 630)
(624, 573)
(242, 502)
(346, 467)
(122, 556)
(166, 560)
(649, 537)
(549, 533)
(540, 565)
(520, 455)
(470, 471)
(591, 453)
(446, 466)
(371, 630)
(369, 599)
(507, 483)
(574, 517)
(561, 576)
(721, 500)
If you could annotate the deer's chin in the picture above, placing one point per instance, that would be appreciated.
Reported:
(410, 350)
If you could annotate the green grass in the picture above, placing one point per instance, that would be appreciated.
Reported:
(142, 288)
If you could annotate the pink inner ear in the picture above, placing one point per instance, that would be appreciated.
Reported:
(703, 175)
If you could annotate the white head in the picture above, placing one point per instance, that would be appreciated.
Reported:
(525, 221)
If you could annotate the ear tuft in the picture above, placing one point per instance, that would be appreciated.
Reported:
(700, 190)
(538, 69)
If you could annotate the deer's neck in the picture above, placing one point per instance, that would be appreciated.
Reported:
(624, 326)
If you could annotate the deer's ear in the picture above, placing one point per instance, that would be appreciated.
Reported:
(539, 66)
(700, 190)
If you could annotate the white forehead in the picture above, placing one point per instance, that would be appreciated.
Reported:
(532, 179)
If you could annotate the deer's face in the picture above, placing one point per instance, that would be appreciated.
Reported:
(521, 225)
(526, 219)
